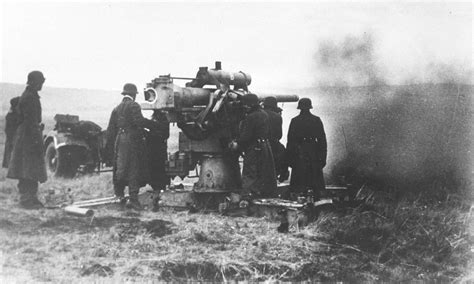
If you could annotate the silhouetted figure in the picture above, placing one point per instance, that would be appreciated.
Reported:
(258, 174)
(306, 150)
(156, 141)
(125, 135)
(12, 120)
(270, 106)
(27, 157)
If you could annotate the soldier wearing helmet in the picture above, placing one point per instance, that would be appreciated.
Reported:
(306, 150)
(126, 147)
(258, 173)
(27, 159)
(270, 106)
(12, 120)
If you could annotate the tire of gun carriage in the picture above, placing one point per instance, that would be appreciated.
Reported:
(62, 162)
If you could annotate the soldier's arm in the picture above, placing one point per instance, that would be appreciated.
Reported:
(291, 136)
(290, 153)
(246, 134)
(322, 142)
(111, 135)
(137, 117)
(279, 132)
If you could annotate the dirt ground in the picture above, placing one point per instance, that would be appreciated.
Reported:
(118, 245)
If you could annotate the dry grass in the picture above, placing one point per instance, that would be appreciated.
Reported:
(411, 239)
(404, 241)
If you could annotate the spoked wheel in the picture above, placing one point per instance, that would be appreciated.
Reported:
(61, 162)
(51, 158)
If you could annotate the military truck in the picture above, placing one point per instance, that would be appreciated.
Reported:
(73, 146)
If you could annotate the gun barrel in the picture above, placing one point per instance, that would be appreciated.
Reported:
(281, 98)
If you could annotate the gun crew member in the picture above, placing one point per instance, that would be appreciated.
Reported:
(156, 141)
(27, 157)
(258, 174)
(125, 138)
(12, 120)
(306, 150)
(270, 106)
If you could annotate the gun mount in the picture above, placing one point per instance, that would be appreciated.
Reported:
(208, 112)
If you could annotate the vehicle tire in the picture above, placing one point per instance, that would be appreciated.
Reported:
(61, 162)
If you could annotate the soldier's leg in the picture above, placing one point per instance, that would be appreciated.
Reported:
(23, 190)
(119, 188)
(28, 194)
(133, 189)
(250, 175)
(119, 191)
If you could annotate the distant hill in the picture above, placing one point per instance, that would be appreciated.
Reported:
(94, 105)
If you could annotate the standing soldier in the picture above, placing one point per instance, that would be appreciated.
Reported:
(270, 106)
(158, 151)
(306, 150)
(125, 135)
(258, 174)
(27, 159)
(11, 124)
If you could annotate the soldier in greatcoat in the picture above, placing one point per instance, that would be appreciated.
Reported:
(306, 150)
(27, 157)
(156, 141)
(270, 106)
(12, 120)
(258, 173)
(126, 136)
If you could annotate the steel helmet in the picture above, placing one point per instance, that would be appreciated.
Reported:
(129, 89)
(304, 103)
(250, 100)
(35, 77)
(270, 102)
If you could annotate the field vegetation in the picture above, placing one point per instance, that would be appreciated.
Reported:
(382, 240)
(418, 235)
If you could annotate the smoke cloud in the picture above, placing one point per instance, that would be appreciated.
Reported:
(350, 62)
(415, 136)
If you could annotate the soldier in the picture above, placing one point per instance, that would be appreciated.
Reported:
(11, 124)
(27, 157)
(125, 135)
(158, 152)
(274, 115)
(306, 150)
(258, 174)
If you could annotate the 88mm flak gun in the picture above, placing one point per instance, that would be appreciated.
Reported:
(208, 112)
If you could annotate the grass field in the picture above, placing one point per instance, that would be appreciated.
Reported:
(390, 238)
(397, 241)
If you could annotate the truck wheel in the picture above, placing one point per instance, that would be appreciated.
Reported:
(61, 162)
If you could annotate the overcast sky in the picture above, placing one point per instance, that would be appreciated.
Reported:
(105, 44)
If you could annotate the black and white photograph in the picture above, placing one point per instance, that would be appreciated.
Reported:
(236, 141)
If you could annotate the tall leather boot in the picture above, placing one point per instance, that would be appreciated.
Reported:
(133, 202)
(28, 194)
(119, 189)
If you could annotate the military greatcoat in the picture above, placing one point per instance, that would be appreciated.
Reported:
(27, 158)
(11, 124)
(278, 149)
(125, 134)
(258, 173)
(157, 149)
(306, 152)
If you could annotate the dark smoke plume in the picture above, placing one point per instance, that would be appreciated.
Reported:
(411, 137)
